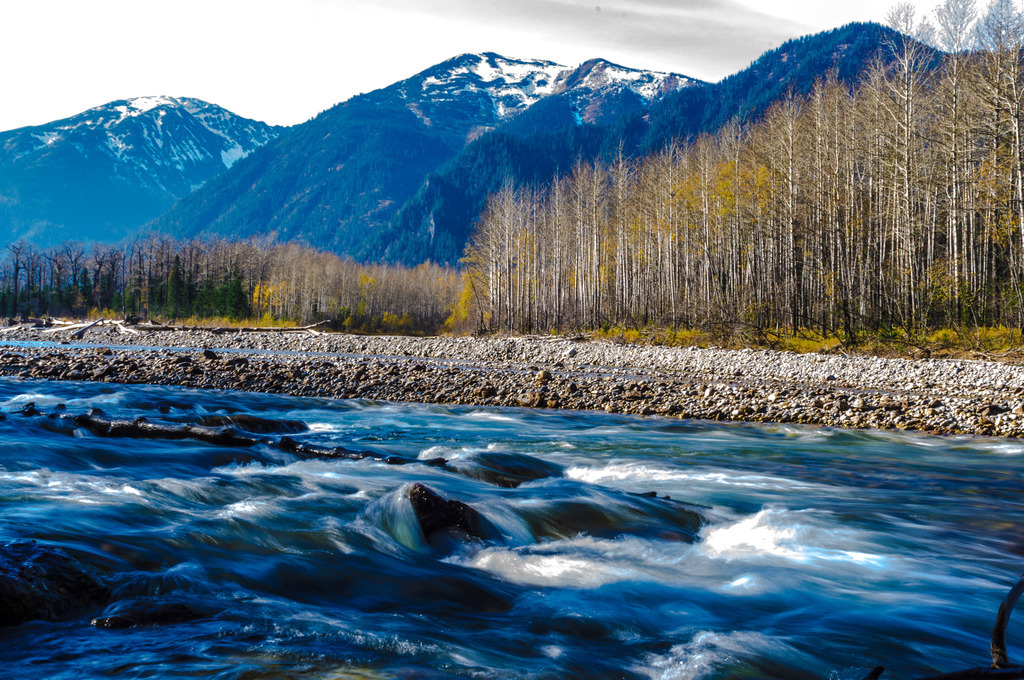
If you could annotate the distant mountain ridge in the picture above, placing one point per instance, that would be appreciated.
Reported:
(101, 174)
(337, 181)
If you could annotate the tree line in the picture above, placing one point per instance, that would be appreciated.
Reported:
(158, 276)
(896, 204)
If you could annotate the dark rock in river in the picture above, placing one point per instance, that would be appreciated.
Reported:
(42, 582)
(256, 425)
(615, 515)
(440, 518)
(506, 469)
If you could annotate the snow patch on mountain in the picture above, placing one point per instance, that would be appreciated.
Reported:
(143, 104)
(600, 75)
(232, 155)
(514, 85)
(49, 138)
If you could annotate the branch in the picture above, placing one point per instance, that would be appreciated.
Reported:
(81, 331)
(1001, 668)
(998, 647)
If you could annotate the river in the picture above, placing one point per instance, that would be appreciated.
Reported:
(779, 552)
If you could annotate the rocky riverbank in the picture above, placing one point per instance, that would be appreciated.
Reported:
(935, 395)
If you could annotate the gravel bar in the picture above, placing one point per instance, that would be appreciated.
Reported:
(941, 396)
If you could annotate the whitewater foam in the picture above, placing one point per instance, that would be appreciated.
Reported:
(640, 473)
(788, 535)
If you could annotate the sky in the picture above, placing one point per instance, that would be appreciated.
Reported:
(284, 61)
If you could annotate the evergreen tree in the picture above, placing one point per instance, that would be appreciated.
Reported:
(176, 289)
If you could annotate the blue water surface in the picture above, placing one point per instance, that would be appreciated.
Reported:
(819, 553)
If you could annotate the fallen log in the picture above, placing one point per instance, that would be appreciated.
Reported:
(230, 329)
(68, 327)
(78, 328)
(81, 331)
(998, 646)
(145, 328)
(81, 327)
(264, 329)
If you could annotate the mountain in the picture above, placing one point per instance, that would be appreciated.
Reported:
(337, 181)
(792, 68)
(103, 173)
(548, 139)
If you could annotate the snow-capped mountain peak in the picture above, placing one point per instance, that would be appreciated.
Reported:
(471, 93)
(142, 153)
(179, 134)
(596, 74)
(142, 104)
(511, 85)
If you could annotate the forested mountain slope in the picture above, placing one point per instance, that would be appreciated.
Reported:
(546, 141)
(337, 181)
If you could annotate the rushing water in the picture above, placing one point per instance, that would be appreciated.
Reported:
(823, 552)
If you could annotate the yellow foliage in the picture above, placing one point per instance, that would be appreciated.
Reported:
(267, 296)
(395, 323)
(460, 312)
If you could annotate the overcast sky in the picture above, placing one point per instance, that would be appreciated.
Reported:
(284, 61)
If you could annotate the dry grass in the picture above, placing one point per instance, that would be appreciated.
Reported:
(991, 343)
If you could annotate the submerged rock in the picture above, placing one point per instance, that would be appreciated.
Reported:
(144, 612)
(43, 582)
(616, 514)
(506, 469)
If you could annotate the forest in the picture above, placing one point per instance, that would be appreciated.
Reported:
(204, 279)
(895, 205)
(891, 205)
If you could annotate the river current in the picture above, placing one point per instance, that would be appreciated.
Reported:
(816, 553)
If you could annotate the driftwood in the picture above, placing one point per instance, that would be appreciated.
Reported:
(81, 331)
(137, 329)
(262, 329)
(47, 324)
(999, 659)
(1001, 667)
(79, 328)
(232, 329)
